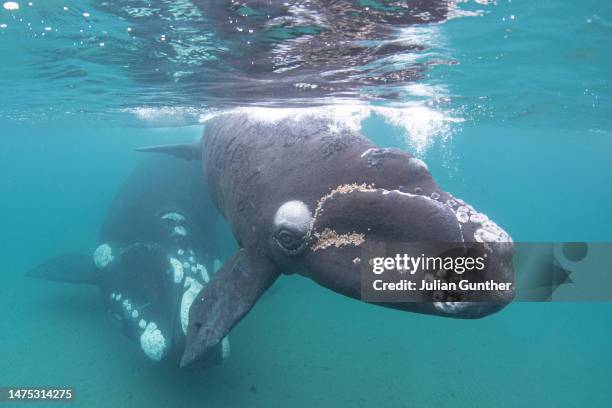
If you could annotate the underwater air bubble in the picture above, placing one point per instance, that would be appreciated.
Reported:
(11, 6)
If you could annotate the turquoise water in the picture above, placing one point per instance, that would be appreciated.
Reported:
(520, 127)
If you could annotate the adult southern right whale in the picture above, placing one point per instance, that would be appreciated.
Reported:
(304, 196)
(155, 249)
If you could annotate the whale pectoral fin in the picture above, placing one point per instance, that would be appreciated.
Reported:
(187, 151)
(71, 268)
(228, 297)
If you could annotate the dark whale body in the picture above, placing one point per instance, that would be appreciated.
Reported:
(303, 196)
(155, 249)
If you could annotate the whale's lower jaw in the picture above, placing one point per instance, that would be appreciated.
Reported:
(468, 310)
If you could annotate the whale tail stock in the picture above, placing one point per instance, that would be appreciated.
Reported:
(70, 268)
(186, 151)
(228, 297)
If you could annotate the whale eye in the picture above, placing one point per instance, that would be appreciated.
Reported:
(291, 225)
(289, 239)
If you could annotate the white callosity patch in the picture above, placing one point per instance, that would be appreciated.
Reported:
(225, 348)
(328, 237)
(176, 268)
(367, 152)
(135, 314)
(103, 256)
(451, 307)
(491, 232)
(295, 214)
(463, 214)
(180, 230)
(193, 289)
(488, 231)
(153, 342)
(176, 217)
(127, 305)
(203, 273)
(142, 324)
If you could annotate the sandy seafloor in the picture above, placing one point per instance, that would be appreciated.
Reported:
(302, 345)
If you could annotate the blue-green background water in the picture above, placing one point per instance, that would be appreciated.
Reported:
(533, 152)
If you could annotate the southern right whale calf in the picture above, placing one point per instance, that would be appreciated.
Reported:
(304, 196)
(156, 251)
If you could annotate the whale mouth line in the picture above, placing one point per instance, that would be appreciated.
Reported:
(468, 310)
(294, 251)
